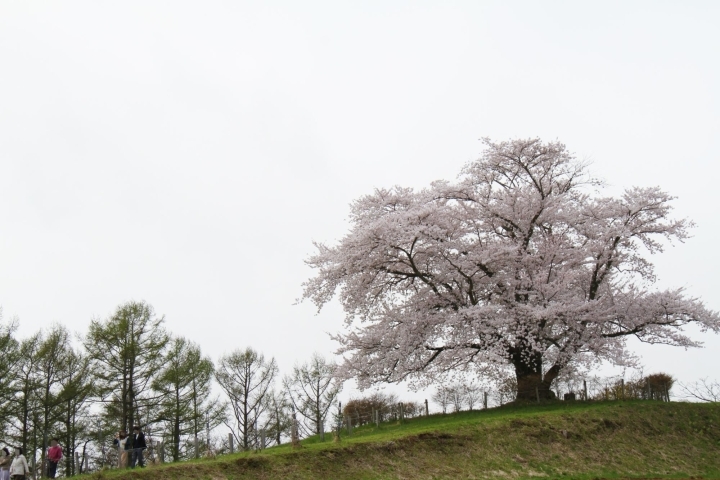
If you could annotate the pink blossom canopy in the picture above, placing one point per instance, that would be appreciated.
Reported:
(519, 263)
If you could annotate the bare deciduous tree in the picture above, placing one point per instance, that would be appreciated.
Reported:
(312, 389)
(703, 390)
(442, 397)
(472, 395)
(246, 378)
(456, 391)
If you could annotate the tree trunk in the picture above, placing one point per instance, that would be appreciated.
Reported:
(130, 404)
(532, 385)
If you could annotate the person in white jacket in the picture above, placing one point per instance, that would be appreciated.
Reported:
(19, 468)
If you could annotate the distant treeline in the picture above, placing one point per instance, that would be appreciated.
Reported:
(128, 370)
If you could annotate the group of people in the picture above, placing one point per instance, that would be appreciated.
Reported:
(16, 467)
(131, 446)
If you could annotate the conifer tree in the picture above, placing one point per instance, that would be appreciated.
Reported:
(26, 384)
(77, 391)
(51, 370)
(126, 351)
(9, 356)
(279, 418)
(184, 387)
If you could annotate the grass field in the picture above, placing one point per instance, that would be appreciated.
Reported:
(560, 440)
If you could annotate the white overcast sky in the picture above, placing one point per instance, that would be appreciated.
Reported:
(188, 153)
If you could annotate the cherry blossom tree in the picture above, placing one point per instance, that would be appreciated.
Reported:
(521, 263)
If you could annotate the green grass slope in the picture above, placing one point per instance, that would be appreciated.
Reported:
(559, 440)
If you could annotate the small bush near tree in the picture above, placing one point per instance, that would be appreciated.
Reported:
(360, 410)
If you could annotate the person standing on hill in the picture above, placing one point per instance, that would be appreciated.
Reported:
(19, 468)
(138, 445)
(120, 440)
(54, 455)
(5, 461)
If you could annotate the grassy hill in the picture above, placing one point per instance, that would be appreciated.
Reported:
(560, 440)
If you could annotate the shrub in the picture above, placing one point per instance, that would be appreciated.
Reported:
(650, 387)
(360, 410)
(657, 386)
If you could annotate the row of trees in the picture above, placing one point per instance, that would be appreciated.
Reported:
(257, 404)
(650, 387)
(128, 370)
(458, 396)
(656, 386)
(362, 410)
(46, 390)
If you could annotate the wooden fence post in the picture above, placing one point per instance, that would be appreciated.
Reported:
(427, 410)
(537, 394)
(585, 397)
(622, 388)
(485, 396)
(231, 441)
(294, 434)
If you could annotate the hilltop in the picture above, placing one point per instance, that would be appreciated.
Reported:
(639, 439)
